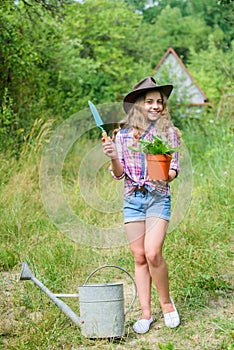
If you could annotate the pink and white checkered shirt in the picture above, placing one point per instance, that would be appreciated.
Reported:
(134, 163)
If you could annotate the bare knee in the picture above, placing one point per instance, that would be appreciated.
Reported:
(139, 258)
(154, 258)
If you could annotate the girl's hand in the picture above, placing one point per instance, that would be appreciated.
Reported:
(109, 149)
(171, 176)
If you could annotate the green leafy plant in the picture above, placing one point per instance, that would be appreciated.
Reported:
(157, 146)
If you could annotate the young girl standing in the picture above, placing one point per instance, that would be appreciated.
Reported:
(147, 203)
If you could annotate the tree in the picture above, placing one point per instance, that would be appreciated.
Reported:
(52, 63)
(138, 5)
(215, 14)
(151, 13)
(173, 30)
(99, 54)
(23, 65)
(213, 70)
(52, 6)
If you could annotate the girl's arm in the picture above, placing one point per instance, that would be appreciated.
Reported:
(174, 142)
(172, 175)
(117, 167)
(109, 148)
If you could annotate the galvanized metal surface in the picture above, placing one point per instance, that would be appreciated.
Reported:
(102, 312)
(26, 274)
(125, 271)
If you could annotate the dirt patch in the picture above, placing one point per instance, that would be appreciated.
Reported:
(205, 329)
(8, 320)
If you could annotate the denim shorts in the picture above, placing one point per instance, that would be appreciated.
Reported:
(139, 205)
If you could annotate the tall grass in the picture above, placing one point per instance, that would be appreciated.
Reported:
(198, 251)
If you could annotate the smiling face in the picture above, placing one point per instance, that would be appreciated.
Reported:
(153, 105)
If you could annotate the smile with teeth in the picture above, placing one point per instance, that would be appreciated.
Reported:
(154, 113)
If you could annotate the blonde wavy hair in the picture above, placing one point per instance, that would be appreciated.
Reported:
(136, 119)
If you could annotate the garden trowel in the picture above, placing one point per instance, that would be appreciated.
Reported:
(98, 119)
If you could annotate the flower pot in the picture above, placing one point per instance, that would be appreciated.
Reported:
(158, 166)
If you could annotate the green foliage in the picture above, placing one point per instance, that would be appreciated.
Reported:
(8, 258)
(99, 38)
(139, 5)
(52, 6)
(23, 68)
(213, 70)
(198, 251)
(58, 54)
(54, 59)
(180, 36)
(168, 346)
(10, 133)
(212, 13)
(157, 146)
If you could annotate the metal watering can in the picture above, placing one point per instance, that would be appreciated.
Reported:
(102, 313)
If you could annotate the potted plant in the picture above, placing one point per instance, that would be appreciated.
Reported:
(158, 156)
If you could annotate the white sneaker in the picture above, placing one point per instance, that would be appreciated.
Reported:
(172, 319)
(142, 325)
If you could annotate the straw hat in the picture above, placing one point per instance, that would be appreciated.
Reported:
(147, 83)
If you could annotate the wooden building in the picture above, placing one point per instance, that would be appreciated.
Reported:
(171, 70)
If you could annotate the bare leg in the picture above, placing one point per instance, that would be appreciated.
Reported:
(136, 235)
(154, 239)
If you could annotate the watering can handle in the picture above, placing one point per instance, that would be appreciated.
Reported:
(120, 268)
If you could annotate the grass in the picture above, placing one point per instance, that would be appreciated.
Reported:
(198, 251)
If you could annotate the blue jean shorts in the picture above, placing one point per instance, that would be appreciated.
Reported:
(139, 205)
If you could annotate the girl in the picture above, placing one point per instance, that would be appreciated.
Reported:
(146, 203)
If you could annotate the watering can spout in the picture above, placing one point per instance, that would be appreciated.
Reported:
(26, 274)
(102, 311)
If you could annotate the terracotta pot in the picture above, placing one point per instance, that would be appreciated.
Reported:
(158, 166)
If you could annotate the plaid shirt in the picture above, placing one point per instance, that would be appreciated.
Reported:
(134, 163)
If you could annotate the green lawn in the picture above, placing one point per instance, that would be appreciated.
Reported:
(198, 250)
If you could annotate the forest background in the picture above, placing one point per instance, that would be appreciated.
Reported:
(55, 55)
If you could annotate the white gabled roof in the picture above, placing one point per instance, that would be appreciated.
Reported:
(180, 77)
